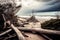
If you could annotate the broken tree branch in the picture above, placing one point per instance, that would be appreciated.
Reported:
(5, 32)
(4, 20)
(18, 32)
(45, 31)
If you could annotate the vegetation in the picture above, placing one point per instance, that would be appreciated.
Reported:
(53, 24)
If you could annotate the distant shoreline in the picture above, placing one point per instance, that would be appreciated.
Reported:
(41, 17)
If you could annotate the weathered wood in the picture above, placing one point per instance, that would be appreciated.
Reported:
(40, 30)
(4, 20)
(18, 32)
(45, 36)
(45, 31)
(17, 9)
(5, 32)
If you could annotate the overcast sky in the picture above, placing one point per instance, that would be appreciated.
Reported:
(46, 7)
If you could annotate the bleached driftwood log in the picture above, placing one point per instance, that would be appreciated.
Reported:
(40, 30)
(18, 32)
(45, 31)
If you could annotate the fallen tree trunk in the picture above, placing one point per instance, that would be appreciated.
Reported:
(40, 30)
(45, 31)
(18, 32)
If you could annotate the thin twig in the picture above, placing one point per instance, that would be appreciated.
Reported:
(5, 32)
(4, 20)
(46, 37)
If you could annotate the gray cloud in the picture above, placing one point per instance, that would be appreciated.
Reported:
(43, 0)
(51, 6)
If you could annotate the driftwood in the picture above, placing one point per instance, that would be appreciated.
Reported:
(18, 32)
(5, 32)
(4, 20)
(45, 31)
(8, 12)
(45, 36)
(40, 30)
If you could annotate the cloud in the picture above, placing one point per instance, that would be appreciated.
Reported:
(40, 6)
(50, 6)
(43, 0)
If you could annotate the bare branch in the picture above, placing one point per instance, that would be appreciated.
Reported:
(45, 31)
(18, 32)
(5, 32)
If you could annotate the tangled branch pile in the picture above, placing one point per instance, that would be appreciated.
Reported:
(7, 13)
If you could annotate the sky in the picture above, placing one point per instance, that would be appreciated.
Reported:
(40, 7)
